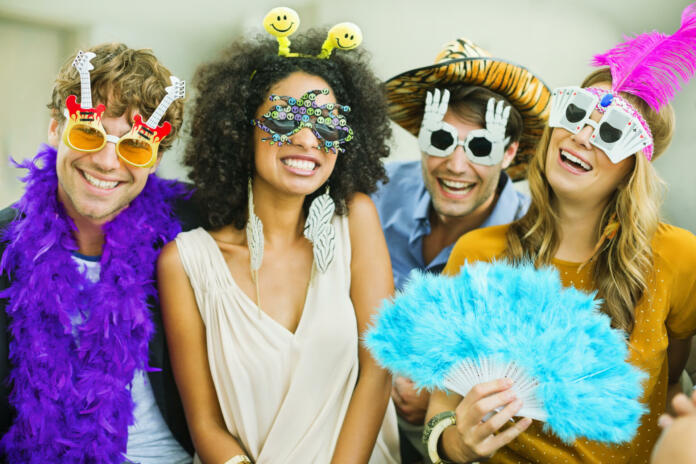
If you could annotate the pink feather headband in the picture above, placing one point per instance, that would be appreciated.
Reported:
(651, 66)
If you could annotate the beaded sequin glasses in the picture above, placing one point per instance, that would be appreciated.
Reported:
(290, 115)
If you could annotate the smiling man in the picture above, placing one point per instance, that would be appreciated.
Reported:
(475, 116)
(83, 363)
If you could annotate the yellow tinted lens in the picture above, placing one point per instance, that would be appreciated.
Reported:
(134, 151)
(85, 138)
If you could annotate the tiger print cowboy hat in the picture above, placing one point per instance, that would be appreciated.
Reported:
(462, 62)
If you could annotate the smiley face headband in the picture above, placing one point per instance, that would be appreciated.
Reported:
(282, 22)
(290, 115)
(482, 146)
(620, 132)
(84, 131)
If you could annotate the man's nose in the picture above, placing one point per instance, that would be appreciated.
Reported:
(458, 162)
(107, 159)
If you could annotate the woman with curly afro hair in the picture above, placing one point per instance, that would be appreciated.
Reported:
(264, 308)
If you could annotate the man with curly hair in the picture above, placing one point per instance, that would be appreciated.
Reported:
(83, 361)
(475, 117)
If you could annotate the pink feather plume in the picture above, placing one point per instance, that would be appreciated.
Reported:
(650, 65)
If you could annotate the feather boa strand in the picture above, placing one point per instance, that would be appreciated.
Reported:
(72, 393)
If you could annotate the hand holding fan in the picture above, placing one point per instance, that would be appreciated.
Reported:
(499, 320)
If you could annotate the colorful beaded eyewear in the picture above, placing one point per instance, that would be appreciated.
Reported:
(290, 115)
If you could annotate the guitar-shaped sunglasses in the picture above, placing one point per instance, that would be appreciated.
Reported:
(84, 131)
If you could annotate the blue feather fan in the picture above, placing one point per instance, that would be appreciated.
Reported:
(499, 320)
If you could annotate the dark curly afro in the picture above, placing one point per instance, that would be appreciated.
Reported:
(220, 152)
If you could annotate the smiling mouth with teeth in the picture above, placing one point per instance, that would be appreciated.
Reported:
(455, 187)
(304, 165)
(574, 161)
(102, 184)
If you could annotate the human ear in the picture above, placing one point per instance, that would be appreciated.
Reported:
(510, 153)
(154, 167)
(54, 132)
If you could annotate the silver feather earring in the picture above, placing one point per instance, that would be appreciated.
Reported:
(254, 235)
(319, 230)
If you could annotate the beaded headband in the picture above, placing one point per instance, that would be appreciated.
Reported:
(608, 98)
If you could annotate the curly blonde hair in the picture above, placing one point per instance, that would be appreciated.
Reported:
(622, 265)
(126, 79)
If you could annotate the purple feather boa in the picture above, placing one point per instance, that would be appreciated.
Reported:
(72, 393)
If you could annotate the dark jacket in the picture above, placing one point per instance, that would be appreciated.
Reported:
(163, 385)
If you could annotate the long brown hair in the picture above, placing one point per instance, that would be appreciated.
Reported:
(622, 265)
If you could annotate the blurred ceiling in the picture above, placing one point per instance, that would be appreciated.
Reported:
(631, 15)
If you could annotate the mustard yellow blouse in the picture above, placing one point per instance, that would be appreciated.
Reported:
(667, 309)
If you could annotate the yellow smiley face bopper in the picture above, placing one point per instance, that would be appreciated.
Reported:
(343, 36)
(84, 131)
(282, 22)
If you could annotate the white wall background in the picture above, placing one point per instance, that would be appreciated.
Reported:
(553, 38)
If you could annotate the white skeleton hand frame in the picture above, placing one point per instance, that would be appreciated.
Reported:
(484, 146)
(435, 109)
(497, 115)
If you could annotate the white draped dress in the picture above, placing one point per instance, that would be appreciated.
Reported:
(283, 395)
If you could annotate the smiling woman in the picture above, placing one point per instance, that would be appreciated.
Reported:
(303, 163)
(569, 166)
(281, 285)
(595, 217)
(235, 88)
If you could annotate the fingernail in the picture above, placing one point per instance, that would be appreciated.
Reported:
(526, 422)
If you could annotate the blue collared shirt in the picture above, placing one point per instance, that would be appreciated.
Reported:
(404, 204)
